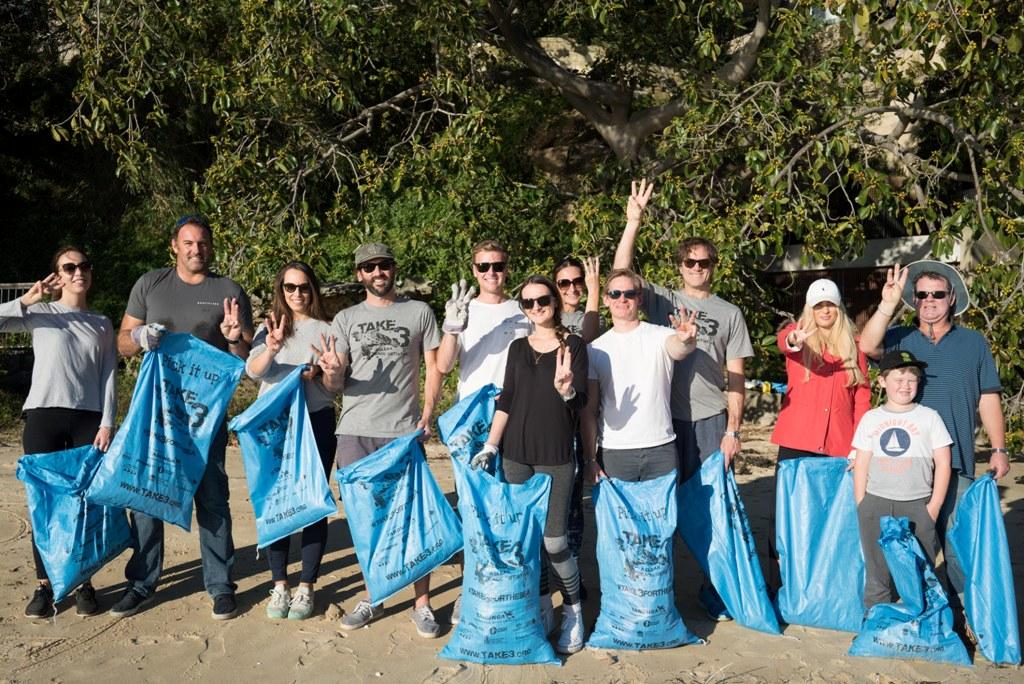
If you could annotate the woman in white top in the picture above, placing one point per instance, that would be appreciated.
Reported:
(296, 323)
(73, 398)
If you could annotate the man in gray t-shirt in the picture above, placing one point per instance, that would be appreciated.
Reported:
(187, 298)
(375, 363)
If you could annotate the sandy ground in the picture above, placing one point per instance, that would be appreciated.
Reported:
(174, 638)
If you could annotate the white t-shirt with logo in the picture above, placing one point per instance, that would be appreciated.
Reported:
(634, 372)
(484, 344)
(901, 446)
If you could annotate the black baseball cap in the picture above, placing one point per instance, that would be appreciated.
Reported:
(899, 359)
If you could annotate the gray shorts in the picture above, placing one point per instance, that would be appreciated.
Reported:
(640, 465)
(352, 448)
(696, 440)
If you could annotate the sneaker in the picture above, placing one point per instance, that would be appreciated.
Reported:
(85, 601)
(547, 614)
(277, 609)
(224, 607)
(363, 614)
(41, 605)
(129, 603)
(301, 606)
(426, 625)
(570, 637)
(712, 603)
(456, 611)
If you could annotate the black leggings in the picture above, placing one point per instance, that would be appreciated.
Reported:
(56, 429)
(314, 537)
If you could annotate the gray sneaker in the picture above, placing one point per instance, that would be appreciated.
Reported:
(277, 609)
(456, 611)
(426, 625)
(363, 614)
(302, 604)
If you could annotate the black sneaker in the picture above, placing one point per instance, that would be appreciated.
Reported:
(85, 601)
(41, 605)
(129, 604)
(224, 607)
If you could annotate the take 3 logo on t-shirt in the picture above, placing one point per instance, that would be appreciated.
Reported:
(894, 441)
(384, 338)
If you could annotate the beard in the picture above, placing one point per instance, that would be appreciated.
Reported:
(382, 290)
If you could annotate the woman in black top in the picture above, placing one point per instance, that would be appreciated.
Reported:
(535, 421)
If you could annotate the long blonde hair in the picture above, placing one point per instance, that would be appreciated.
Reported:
(839, 340)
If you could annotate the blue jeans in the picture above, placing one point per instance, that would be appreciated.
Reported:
(215, 544)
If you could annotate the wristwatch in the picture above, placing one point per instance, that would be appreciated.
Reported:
(735, 434)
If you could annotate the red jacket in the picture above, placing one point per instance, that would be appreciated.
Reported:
(819, 414)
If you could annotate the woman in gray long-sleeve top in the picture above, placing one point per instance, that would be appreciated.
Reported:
(73, 398)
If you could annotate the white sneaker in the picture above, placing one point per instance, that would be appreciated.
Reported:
(547, 614)
(301, 606)
(456, 611)
(277, 609)
(570, 638)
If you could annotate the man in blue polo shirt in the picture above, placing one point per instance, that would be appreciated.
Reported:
(960, 383)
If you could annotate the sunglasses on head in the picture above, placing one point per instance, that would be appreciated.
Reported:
(628, 294)
(528, 303)
(486, 266)
(937, 294)
(703, 263)
(70, 267)
(290, 288)
(372, 266)
(565, 283)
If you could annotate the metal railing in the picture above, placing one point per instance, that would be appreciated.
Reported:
(10, 292)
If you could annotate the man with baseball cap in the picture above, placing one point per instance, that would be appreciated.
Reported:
(960, 382)
(375, 363)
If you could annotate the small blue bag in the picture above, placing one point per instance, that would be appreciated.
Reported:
(920, 626)
(635, 525)
(503, 526)
(714, 525)
(401, 524)
(159, 454)
(464, 428)
(818, 540)
(978, 536)
(287, 485)
(74, 538)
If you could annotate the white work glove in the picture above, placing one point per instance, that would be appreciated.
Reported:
(148, 336)
(456, 309)
(483, 457)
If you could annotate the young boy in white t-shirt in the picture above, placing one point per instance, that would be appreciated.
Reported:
(902, 469)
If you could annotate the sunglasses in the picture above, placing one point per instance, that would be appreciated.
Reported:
(628, 294)
(527, 303)
(703, 263)
(374, 265)
(69, 267)
(498, 266)
(290, 288)
(565, 283)
(937, 294)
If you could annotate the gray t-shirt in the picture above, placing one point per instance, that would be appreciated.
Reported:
(901, 446)
(385, 345)
(698, 383)
(75, 357)
(296, 351)
(573, 321)
(160, 296)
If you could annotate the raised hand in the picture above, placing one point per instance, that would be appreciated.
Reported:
(892, 291)
(456, 309)
(275, 333)
(798, 336)
(685, 326)
(230, 325)
(327, 355)
(47, 286)
(638, 197)
(592, 276)
(563, 372)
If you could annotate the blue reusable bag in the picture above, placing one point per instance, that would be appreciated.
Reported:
(978, 536)
(74, 538)
(159, 454)
(818, 541)
(503, 525)
(635, 525)
(287, 485)
(402, 526)
(920, 626)
(464, 428)
(714, 525)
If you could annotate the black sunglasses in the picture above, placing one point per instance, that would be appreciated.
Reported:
(628, 294)
(564, 283)
(290, 288)
(372, 266)
(527, 303)
(703, 263)
(69, 267)
(937, 294)
(486, 266)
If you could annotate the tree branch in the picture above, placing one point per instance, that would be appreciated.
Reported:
(738, 68)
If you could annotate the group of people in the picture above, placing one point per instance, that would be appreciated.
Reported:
(637, 401)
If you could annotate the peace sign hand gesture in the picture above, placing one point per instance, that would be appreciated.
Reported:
(892, 291)
(47, 286)
(685, 326)
(230, 326)
(327, 356)
(563, 373)
(798, 336)
(638, 197)
(275, 333)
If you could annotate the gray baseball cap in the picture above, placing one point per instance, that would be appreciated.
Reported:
(373, 250)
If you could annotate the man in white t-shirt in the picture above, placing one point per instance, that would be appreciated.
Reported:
(631, 381)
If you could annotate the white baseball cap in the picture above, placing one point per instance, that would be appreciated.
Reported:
(823, 290)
